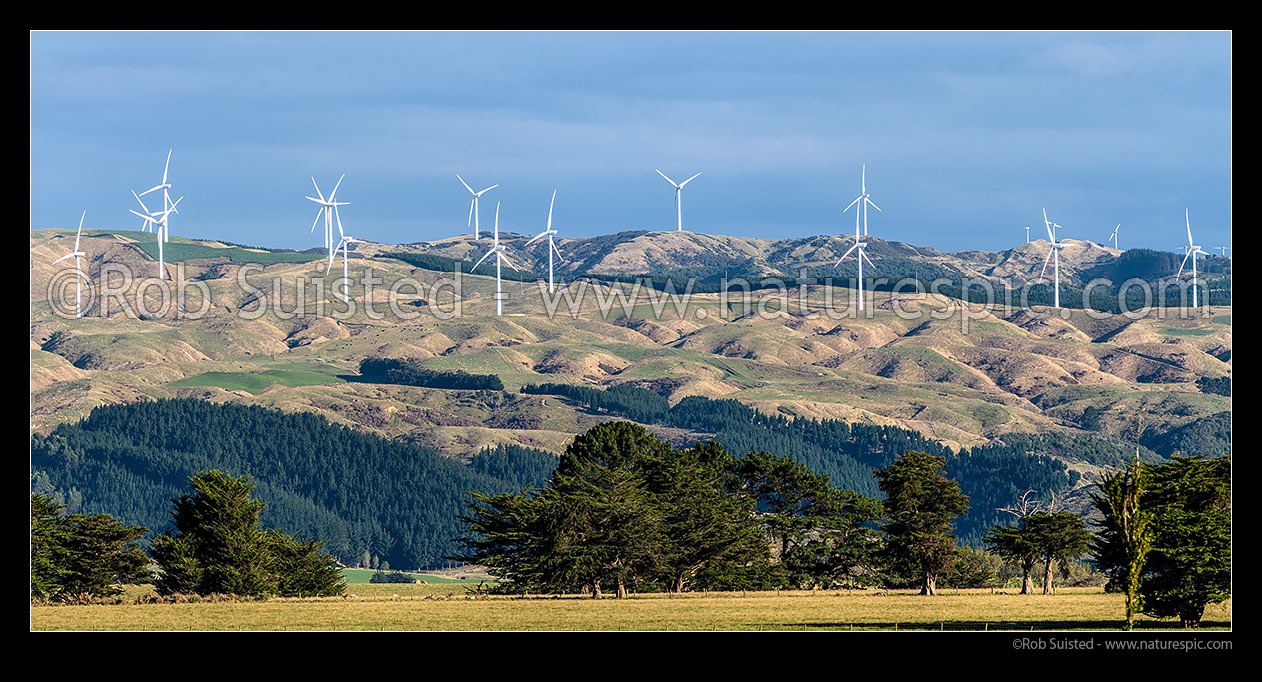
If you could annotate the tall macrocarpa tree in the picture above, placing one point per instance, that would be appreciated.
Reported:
(1189, 566)
(1124, 536)
(218, 545)
(1061, 538)
(920, 504)
(79, 555)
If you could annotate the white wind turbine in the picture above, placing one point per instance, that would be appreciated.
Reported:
(1027, 234)
(328, 208)
(679, 188)
(1053, 254)
(160, 221)
(165, 187)
(499, 258)
(863, 200)
(473, 204)
(1113, 237)
(1223, 250)
(867, 201)
(342, 244)
(1191, 251)
(548, 233)
(79, 274)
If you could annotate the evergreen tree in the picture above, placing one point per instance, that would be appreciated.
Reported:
(920, 504)
(1124, 538)
(217, 546)
(1190, 563)
(78, 555)
(1016, 544)
(1061, 538)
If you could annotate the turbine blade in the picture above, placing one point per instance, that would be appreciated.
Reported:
(847, 253)
(319, 213)
(466, 185)
(1185, 262)
(339, 184)
(168, 166)
(852, 204)
(872, 204)
(681, 185)
(1189, 224)
(508, 262)
(488, 189)
(555, 249)
(554, 201)
(318, 193)
(535, 238)
(62, 258)
(471, 203)
(80, 233)
(864, 256)
(338, 217)
(1045, 261)
(484, 257)
(667, 179)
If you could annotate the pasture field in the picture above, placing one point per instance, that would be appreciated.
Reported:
(453, 607)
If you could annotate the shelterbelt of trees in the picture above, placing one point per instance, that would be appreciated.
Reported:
(624, 511)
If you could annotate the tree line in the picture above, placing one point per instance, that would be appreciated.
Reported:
(409, 372)
(362, 494)
(626, 511)
(214, 545)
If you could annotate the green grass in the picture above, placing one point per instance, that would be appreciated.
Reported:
(363, 576)
(1222, 319)
(1176, 331)
(255, 384)
(181, 249)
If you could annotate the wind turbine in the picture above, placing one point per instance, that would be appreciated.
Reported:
(1191, 251)
(165, 187)
(342, 243)
(79, 275)
(473, 204)
(1223, 250)
(866, 200)
(160, 221)
(1113, 237)
(1027, 234)
(328, 208)
(1053, 254)
(859, 245)
(548, 233)
(679, 188)
(499, 258)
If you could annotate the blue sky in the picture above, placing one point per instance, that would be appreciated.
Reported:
(967, 136)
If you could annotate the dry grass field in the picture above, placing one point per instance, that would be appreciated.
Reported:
(452, 607)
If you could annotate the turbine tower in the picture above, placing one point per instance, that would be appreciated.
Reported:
(1113, 237)
(1027, 234)
(473, 204)
(1191, 252)
(862, 201)
(548, 233)
(160, 222)
(342, 243)
(1053, 254)
(499, 258)
(328, 208)
(679, 188)
(79, 275)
